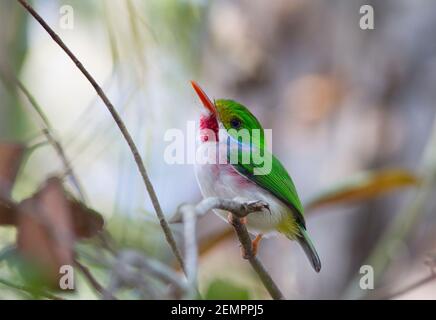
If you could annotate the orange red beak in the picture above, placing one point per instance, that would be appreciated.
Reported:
(204, 98)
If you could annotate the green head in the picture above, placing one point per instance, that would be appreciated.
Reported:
(234, 117)
(239, 121)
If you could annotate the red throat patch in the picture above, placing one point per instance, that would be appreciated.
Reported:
(208, 128)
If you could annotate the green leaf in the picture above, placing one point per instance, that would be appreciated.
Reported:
(223, 289)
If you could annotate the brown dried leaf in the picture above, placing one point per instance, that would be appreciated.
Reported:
(365, 185)
(45, 236)
(86, 222)
(10, 160)
(7, 213)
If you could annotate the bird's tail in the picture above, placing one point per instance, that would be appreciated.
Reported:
(309, 249)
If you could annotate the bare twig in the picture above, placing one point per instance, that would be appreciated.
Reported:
(191, 248)
(239, 210)
(154, 267)
(387, 296)
(67, 165)
(47, 130)
(93, 281)
(134, 150)
(413, 286)
(386, 293)
(131, 266)
(264, 276)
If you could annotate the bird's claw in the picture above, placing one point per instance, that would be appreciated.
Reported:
(258, 205)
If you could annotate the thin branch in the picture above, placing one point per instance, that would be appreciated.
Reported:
(47, 129)
(239, 210)
(131, 266)
(33, 102)
(264, 276)
(381, 294)
(134, 150)
(67, 165)
(154, 267)
(413, 286)
(93, 281)
(191, 248)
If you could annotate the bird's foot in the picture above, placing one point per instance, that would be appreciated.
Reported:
(257, 205)
(255, 243)
(254, 248)
(252, 206)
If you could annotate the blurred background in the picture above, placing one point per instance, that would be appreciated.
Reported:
(352, 113)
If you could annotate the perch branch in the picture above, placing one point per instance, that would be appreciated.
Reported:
(264, 276)
(134, 150)
(239, 210)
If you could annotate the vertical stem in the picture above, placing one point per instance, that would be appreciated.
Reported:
(191, 248)
(264, 276)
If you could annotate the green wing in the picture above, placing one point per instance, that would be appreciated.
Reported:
(277, 181)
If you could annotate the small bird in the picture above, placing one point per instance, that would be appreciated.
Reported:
(237, 179)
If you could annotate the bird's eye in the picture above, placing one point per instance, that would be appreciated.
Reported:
(235, 123)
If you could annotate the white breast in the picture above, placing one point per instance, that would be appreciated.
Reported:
(222, 180)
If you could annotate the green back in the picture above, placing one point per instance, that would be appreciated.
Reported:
(278, 182)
